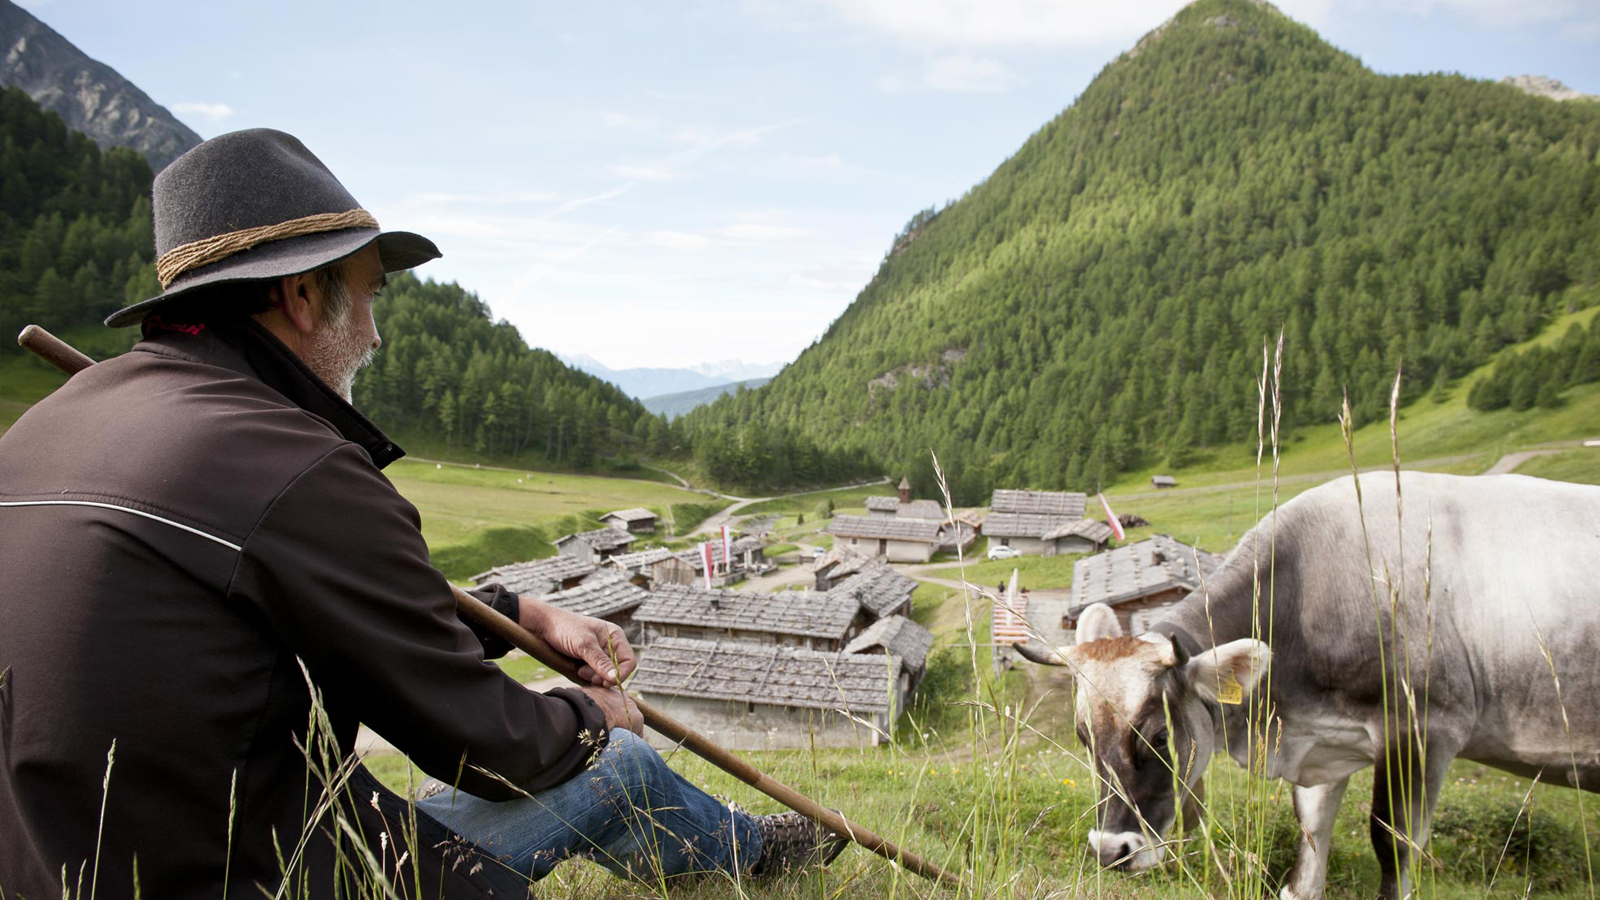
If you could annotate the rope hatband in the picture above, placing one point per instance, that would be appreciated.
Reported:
(204, 252)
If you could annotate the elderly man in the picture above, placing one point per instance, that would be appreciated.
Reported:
(207, 585)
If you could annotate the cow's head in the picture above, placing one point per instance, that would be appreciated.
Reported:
(1148, 713)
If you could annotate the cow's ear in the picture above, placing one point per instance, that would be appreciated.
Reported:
(1227, 674)
(1096, 622)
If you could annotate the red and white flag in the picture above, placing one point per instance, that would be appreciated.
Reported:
(1111, 519)
(727, 550)
(705, 554)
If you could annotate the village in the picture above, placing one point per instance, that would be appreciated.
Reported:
(824, 650)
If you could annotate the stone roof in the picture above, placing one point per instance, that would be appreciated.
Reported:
(1163, 480)
(883, 504)
(806, 613)
(898, 636)
(600, 596)
(905, 483)
(878, 587)
(775, 676)
(1029, 525)
(740, 547)
(1089, 529)
(637, 514)
(1138, 570)
(601, 539)
(539, 576)
(880, 528)
(640, 558)
(924, 510)
(1049, 503)
(841, 561)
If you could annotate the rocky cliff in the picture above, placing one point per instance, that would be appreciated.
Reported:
(87, 94)
(1541, 86)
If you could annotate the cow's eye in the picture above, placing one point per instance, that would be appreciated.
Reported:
(1159, 742)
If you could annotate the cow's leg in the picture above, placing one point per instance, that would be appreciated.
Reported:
(1405, 787)
(1315, 807)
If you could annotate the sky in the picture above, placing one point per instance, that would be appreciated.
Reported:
(667, 184)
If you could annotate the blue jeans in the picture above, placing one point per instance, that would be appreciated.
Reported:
(628, 811)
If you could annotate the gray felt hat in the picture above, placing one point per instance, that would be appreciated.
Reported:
(254, 205)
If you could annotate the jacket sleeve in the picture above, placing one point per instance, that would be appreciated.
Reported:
(503, 602)
(338, 566)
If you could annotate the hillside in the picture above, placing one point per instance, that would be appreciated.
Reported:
(674, 405)
(90, 96)
(1099, 303)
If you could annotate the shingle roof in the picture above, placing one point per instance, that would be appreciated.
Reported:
(839, 562)
(1163, 479)
(600, 538)
(636, 514)
(805, 613)
(1049, 503)
(1030, 525)
(1138, 570)
(898, 636)
(925, 510)
(895, 529)
(641, 558)
(878, 587)
(777, 676)
(1089, 529)
(539, 576)
(603, 595)
(740, 547)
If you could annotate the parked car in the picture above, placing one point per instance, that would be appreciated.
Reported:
(1001, 551)
(818, 553)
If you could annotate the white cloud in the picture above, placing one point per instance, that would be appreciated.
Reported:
(676, 240)
(763, 233)
(497, 198)
(213, 111)
(1054, 23)
(654, 172)
(957, 73)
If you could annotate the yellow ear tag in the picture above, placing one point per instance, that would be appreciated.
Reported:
(1228, 690)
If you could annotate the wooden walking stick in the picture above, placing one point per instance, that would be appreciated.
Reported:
(64, 357)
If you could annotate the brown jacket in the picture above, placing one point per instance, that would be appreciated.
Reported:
(180, 529)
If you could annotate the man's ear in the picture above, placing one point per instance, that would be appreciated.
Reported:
(1227, 674)
(1096, 622)
(296, 294)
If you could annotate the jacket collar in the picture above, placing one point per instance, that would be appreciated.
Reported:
(253, 351)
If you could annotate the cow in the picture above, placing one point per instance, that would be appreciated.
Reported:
(1438, 618)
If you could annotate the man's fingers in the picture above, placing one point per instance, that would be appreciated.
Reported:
(622, 653)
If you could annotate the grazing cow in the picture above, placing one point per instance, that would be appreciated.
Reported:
(1484, 649)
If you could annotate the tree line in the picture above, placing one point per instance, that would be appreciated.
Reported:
(1537, 376)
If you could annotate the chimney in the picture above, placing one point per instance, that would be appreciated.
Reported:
(905, 491)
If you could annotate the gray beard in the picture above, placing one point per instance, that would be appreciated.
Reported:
(337, 352)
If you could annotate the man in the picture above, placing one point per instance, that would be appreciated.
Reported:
(207, 585)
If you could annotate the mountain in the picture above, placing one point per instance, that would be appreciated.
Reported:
(87, 94)
(1102, 299)
(1540, 86)
(675, 405)
(656, 382)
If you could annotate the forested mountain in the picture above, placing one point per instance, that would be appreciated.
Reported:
(75, 229)
(447, 369)
(674, 405)
(1103, 297)
(87, 94)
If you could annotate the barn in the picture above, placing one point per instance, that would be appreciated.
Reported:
(751, 697)
(807, 619)
(894, 539)
(539, 576)
(594, 546)
(1138, 581)
(634, 521)
(1043, 523)
(609, 595)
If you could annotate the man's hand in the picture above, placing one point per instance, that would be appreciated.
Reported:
(599, 645)
(619, 709)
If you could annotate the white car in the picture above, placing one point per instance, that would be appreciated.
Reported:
(1001, 551)
(818, 553)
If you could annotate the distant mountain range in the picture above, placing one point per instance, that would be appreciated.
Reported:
(644, 383)
(674, 405)
(87, 94)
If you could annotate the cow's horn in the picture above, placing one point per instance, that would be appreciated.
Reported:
(1044, 657)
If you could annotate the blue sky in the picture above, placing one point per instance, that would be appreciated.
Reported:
(673, 183)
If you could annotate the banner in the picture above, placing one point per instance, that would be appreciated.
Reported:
(727, 550)
(1112, 520)
(705, 554)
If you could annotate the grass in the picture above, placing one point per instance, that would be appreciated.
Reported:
(808, 504)
(1040, 572)
(1580, 465)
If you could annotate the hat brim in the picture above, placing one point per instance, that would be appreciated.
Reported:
(397, 250)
